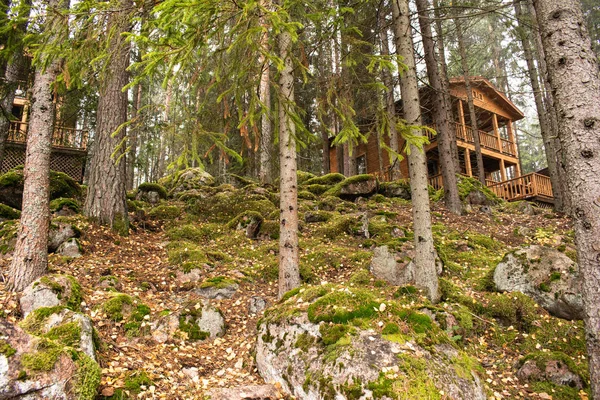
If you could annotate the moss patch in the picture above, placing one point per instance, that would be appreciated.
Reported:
(64, 203)
(6, 349)
(165, 212)
(9, 213)
(153, 187)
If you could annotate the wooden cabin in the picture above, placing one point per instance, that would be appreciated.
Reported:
(69, 144)
(495, 117)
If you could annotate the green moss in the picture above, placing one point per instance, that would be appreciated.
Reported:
(120, 225)
(44, 357)
(222, 207)
(384, 387)
(306, 195)
(136, 380)
(289, 294)
(557, 335)
(73, 301)
(558, 392)
(22, 376)
(60, 203)
(218, 282)
(165, 212)
(513, 309)
(353, 390)
(62, 185)
(187, 255)
(244, 219)
(68, 334)
(269, 229)
(9, 213)
(187, 324)
(343, 306)
(362, 277)
(331, 333)
(337, 226)
(12, 178)
(114, 308)
(451, 293)
(337, 189)
(153, 187)
(466, 185)
(542, 358)
(390, 329)
(317, 189)
(36, 319)
(304, 342)
(6, 349)
(87, 378)
(303, 176)
(328, 179)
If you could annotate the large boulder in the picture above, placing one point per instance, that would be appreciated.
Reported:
(59, 233)
(548, 276)
(554, 367)
(326, 343)
(472, 192)
(189, 179)
(151, 193)
(354, 187)
(197, 321)
(51, 291)
(51, 357)
(399, 188)
(218, 288)
(397, 266)
(70, 248)
(252, 392)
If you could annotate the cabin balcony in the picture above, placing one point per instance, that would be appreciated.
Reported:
(489, 142)
(62, 137)
(532, 187)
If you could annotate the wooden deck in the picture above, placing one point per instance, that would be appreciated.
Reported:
(487, 140)
(532, 186)
(65, 138)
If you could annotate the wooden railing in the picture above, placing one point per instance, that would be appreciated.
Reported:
(524, 187)
(61, 137)
(436, 181)
(487, 140)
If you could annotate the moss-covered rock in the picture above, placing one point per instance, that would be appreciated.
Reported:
(65, 206)
(165, 212)
(248, 221)
(355, 186)
(187, 255)
(187, 179)
(222, 207)
(341, 349)
(8, 235)
(471, 191)
(8, 213)
(129, 310)
(152, 187)
(325, 180)
(51, 291)
(555, 370)
(399, 189)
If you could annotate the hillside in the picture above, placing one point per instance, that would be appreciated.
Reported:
(209, 240)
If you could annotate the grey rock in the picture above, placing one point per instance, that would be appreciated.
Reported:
(478, 198)
(192, 178)
(150, 196)
(252, 392)
(257, 305)
(208, 318)
(486, 209)
(41, 294)
(218, 292)
(548, 276)
(397, 267)
(211, 321)
(57, 383)
(279, 360)
(107, 282)
(396, 189)
(163, 328)
(70, 248)
(555, 371)
(185, 277)
(364, 188)
(60, 233)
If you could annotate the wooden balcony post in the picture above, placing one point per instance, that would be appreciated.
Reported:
(497, 131)
(468, 162)
(511, 137)
(461, 116)
(502, 170)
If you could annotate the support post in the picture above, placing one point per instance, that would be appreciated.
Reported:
(502, 170)
(497, 131)
(468, 162)
(461, 118)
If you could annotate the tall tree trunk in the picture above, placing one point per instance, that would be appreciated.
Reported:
(441, 114)
(289, 276)
(106, 200)
(543, 114)
(443, 71)
(425, 271)
(573, 74)
(390, 104)
(13, 70)
(472, 114)
(565, 205)
(266, 135)
(133, 135)
(30, 258)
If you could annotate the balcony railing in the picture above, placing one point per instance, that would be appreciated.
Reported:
(62, 137)
(487, 140)
(524, 187)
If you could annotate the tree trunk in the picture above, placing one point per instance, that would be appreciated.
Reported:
(445, 83)
(573, 74)
(390, 104)
(441, 114)
(106, 200)
(565, 204)
(289, 276)
(133, 135)
(426, 274)
(543, 114)
(266, 136)
(30, 258)
(472, 114)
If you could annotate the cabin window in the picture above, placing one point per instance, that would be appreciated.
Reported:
(361, 164)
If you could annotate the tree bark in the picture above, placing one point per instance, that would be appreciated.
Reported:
(472, 114)
(441, 114)
(30, 258)
(106, 200)
(289, 276)
(542, 112)
(266, 134)
(573, 75)
(426, 274)
(390, 104)
(133, 135)
(443, 71)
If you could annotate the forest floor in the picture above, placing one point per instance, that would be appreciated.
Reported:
(184, 369)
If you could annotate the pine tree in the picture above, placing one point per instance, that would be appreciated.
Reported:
(30, 257)
(573, 74)
(105, 200)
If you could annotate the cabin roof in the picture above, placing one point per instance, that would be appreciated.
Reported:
(488, 87)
